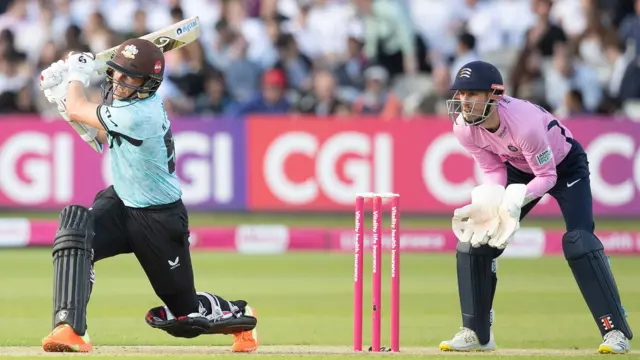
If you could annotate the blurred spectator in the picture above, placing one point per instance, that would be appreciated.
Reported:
(630, 86)
(96, 33)
(569, 73)
(526, 77)
(572, 105)
(465, 53)
(390, 38)
(438, 22)
(296, 66)
(545, 35)
(322, 99)
(224, 40)
(14, 80)
(189, 77)
(435, 101)
(615, 53)
(590, 44)
(376, 99)
(629, 30)
(73, 41)
(242, 74)
(259, 48)
(350, 72)
(571, 15)
(271, 100)
(215, 100)
(321, 28)
(570, 56)
(139, 27)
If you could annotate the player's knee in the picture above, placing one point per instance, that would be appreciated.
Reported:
(75, 229)
(578, 243)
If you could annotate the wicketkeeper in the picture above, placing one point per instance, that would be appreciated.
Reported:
(141, 213)
(520, 146)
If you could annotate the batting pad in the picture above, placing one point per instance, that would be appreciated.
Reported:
(71, 268)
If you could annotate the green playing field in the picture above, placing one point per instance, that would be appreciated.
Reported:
(304, 305)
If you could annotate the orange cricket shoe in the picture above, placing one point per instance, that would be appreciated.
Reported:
(246, 341)
(64, 339)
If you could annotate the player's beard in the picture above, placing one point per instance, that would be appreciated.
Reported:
(469, 116)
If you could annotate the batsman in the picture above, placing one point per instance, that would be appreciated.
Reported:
(524, 153)
(141, 213)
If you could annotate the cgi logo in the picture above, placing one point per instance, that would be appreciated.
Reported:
(186, 28)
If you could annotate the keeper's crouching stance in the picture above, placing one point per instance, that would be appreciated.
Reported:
(541, 157)
(141, 213)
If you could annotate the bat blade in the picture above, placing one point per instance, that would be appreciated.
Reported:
(170, 38)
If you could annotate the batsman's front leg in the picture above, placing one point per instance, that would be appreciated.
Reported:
(72, 282)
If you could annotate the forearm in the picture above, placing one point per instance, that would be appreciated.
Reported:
(539, 186)
(102, 136)
(496, 175)
(75, 97)
(79, 108)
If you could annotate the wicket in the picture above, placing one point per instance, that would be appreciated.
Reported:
(376, 244)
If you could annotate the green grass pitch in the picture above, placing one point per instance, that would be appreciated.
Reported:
(304, 305)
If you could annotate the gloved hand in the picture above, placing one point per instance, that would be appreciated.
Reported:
(483, 218)
(81, 66)
(53, 75)
(509, 213)
(459, 220)
(57, 94)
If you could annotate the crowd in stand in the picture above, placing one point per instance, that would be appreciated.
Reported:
(390, 58)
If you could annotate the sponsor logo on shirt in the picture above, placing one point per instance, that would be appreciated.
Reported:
(544, 157)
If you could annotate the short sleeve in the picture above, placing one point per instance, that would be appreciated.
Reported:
(119, 120)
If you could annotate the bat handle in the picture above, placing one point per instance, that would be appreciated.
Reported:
(101, 67)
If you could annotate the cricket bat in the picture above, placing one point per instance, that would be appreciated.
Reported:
(170, 38)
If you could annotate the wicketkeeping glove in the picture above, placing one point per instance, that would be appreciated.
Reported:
(483, 218)
(509, 213)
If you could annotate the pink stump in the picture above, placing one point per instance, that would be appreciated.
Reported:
(376, 244)
(357, 273)
(395, 273)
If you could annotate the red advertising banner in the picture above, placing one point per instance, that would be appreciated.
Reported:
(319, 165)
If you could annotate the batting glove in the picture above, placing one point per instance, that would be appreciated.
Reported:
(53, 75)
(81, 66)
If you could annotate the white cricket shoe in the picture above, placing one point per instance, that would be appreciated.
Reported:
(466, 340)
(614, 343)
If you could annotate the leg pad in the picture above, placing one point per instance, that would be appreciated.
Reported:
(585, 254)
(72, 259)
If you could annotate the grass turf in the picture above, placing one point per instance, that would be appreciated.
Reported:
(305, 299)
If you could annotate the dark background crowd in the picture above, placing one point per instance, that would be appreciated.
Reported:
(391, 58)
